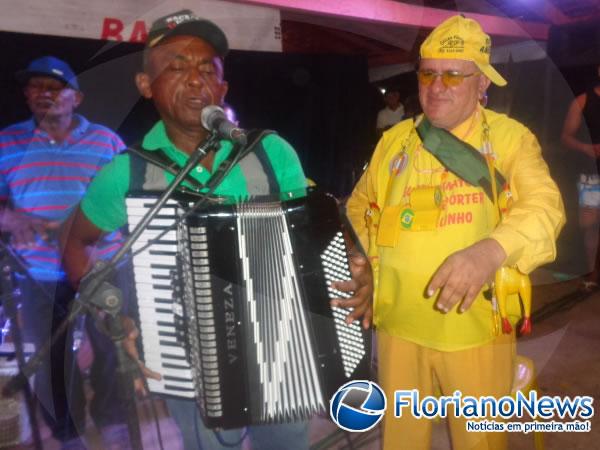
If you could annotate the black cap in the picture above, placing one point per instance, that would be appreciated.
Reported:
(185, 23)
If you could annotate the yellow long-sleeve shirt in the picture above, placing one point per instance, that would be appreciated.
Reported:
(408, 258)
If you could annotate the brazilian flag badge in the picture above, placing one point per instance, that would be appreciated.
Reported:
(407, 217)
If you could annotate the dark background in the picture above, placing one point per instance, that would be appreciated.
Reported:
(323, 104)
(319, 103)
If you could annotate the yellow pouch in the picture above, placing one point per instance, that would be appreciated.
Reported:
(424, 211)
(389, 226)
(426, 220)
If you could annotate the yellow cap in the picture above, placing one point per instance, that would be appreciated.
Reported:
(462, 38)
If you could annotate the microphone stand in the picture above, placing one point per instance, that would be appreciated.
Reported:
(8, 261)
(96, 293)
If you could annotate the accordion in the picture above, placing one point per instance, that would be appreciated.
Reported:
(234, 307)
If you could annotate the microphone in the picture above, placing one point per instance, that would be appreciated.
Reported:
(215, 120)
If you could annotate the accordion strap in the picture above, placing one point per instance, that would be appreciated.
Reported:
(254, 163)
(144, 173)
(147, 167)
(459, 157)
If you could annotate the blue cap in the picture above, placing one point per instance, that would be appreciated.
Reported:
(49, 66)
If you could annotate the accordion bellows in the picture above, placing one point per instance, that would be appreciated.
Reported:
(248, 330)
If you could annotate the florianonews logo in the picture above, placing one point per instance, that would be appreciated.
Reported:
(357, 405)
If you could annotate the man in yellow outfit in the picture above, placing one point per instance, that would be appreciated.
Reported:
(436, 237)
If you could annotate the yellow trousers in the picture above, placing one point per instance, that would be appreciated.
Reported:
(479, 371)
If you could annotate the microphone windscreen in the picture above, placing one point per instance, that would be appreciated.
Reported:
(209, 116)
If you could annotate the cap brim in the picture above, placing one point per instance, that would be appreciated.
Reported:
(23, 77)
(204, 30)
(492, 74)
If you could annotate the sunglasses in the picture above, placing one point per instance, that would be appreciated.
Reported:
(450, 78)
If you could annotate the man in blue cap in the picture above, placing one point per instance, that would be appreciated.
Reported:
(46, 164)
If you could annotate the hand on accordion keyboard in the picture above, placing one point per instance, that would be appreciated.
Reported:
(361, 285)
(131, 349)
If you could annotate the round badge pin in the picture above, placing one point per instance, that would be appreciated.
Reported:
(437, 196)
(398, 164)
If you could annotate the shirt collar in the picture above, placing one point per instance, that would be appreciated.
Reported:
(464, 130)
(82, 125)
(30, 125)
(158, 139)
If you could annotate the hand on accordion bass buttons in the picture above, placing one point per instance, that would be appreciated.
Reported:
(361, 285)
(129, 344)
